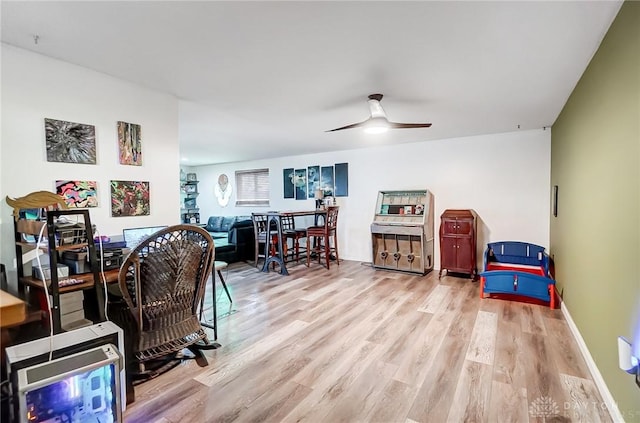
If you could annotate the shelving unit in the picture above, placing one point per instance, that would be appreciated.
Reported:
(402, 231)
(189, 212)
(60, 238)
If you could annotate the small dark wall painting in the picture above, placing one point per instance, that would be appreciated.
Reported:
(342, 179)
(555, 201)
(288, 176)
(70, 142)
(300, 182)
(78, 194)
(327, 181)
(130, 143)
(129, 198)
(313, 176)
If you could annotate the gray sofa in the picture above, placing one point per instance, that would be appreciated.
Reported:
(232, 237)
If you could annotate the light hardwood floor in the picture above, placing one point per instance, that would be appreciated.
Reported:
(355, 344)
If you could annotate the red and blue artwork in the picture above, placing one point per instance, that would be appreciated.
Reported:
(78, 194)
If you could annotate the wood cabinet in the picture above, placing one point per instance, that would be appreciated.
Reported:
(58, 236)
(458, 242)
(402, 231)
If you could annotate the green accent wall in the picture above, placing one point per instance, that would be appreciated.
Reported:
(595, 238)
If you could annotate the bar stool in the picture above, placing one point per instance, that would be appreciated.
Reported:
(290, 232)
(323, 235)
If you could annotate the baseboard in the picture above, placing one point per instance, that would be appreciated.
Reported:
(611, 404)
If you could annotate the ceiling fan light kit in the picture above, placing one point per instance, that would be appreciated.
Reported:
(378, 122)
(376, 125)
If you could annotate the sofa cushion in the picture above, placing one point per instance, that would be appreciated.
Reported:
(214, 224)
(219, 235)
(227, 222)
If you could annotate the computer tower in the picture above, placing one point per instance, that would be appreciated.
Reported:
(35, 352)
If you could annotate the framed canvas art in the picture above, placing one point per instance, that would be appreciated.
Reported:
(130, 143)
(300, 183)
(313, 176)
(288, 176)
(78, 194)
(326, 180)
(70, 142)
(129, 198)
(342, 179)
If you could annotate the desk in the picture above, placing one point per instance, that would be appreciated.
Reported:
(274, 217)
(12, 309)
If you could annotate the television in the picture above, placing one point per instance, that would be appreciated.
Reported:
(80, 387)
(32, 353)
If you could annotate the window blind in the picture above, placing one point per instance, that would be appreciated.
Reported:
(252, 187)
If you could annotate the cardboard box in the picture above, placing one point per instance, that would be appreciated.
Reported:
(63, 271)
(70, 302)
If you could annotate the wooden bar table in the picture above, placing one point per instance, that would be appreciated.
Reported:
(273, 218)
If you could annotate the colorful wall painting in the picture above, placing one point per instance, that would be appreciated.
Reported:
(70, 142)
(130, 143)
(129, 198)
(78, 194)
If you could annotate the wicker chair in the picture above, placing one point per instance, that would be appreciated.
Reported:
(163, 282)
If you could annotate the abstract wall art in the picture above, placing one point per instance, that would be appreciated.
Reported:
(313, 177)
(327, 182)
(300, 183)
(342, 179)
(130, 143)
(288, 176)
(304, 183)
(70, 142)
(78, 194)
(129, 198)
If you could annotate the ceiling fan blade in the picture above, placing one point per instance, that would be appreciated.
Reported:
(353, 125)
(397, 125)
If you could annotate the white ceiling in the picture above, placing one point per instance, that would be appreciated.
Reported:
(267, 79)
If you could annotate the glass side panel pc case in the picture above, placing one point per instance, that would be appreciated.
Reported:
(82, 387)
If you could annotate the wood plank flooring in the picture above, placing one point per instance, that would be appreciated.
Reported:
(355, 344)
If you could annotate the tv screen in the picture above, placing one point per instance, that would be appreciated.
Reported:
(77, 388)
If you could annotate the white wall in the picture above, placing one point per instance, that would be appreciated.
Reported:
(35, 87)
(503, 177)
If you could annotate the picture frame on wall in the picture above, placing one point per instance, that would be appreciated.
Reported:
(70, 142)
(300, 183)
(288, 188)
(130, 143)
(130, 198)
(78, 194)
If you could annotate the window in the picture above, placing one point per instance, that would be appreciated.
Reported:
(252, 187)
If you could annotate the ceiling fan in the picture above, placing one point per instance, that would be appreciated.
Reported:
(378, 121)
